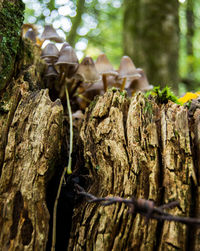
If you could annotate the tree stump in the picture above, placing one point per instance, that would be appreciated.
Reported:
(137, 147)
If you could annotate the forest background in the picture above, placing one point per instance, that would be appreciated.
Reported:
(162, 38)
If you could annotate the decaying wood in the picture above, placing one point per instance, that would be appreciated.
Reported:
(31, 128)
(136, 147)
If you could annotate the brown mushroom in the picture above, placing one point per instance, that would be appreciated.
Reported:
(86, 94)
(63, 46)
(26, 27)
(86, 76)
(105, 68)
(51, 72)
(50, 33)
(67, 61)
(50, 53)
(140, 84)
(87, 71)
(30, 34)
(127, 71)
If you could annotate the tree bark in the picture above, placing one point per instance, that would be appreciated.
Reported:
(151, 39)
(136, 147)
(30, 139)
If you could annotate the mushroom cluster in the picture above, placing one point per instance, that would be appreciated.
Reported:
(86, 79)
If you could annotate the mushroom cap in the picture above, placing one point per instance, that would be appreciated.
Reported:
(50, 51)
(63, 46)
(104, 66)
(67, 61)
(50, 33)
(127, 69)
(51, 71)
(87, 71)
(141, 84)
(31, 35)
(67, 55)
(26, 27)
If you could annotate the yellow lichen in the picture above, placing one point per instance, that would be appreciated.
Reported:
(188, 96)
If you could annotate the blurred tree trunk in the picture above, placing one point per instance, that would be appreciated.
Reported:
(151, 38)
(76, 21)
(189, 38)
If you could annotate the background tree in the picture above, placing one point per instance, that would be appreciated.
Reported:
(151, 39)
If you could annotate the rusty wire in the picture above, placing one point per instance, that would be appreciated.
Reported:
(144, 207)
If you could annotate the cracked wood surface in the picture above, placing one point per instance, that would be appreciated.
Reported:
(31, 131)
(136, 147)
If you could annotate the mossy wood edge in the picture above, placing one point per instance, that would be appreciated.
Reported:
(31, 127)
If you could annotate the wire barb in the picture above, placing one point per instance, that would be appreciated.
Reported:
(144, 207)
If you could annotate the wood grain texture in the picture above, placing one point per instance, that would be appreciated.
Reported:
(134, 147)
(31, 130)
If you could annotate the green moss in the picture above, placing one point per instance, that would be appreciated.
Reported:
(123, 93)
(148, 107)
(11, 19)
(97, 167)
(93, 103)
(163, 96)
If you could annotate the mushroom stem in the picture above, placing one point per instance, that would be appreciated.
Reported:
(71, 86)
(84, 98)
(123, 84)
(62, 80)
(105, 85)
(75, 87)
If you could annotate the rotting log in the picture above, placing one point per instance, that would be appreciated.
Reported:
(138, 148)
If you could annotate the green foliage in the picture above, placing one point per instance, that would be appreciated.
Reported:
(100, 27)
(163, 96)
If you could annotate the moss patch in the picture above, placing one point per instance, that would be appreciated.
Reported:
(11, 19)
(163, 96)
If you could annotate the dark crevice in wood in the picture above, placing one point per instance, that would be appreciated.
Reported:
(5, 130)
(160, 180)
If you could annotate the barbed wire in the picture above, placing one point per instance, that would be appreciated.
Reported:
(144, 207)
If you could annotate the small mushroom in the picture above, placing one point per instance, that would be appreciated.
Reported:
(31, 35)
(26, 27)
(65, 44)
(127, 71)
(51, 72)
(87, 71)
(67, 61)
(50, 33)
(105, 68)
(86, 94)
(141, 84)
(50, 53)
